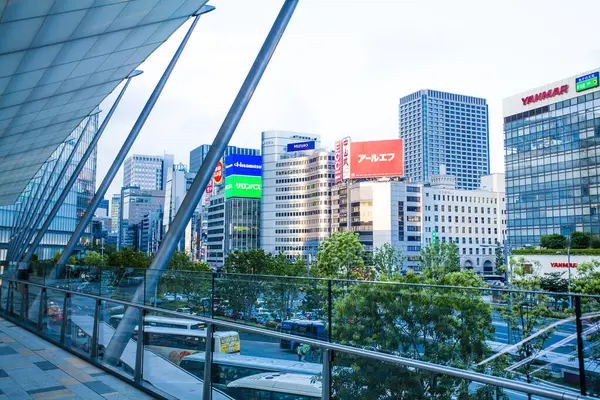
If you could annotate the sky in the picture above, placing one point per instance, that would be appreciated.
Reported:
(342, 66)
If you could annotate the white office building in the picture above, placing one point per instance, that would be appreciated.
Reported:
(177, 186)
(297, 177)
(410, 216)
(146, 171)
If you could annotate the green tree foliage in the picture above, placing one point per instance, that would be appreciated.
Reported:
(71, 261)
(387, 261)
(554, 241)
(342, 256)
(526, 311)
(443, 326)
(439, 259)
(180, 261)
(587, 280)
(554, 282)
(499, 252)
(580, 240)
(129, 258)
(94, 258)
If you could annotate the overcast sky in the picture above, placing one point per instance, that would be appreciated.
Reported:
(342, 66)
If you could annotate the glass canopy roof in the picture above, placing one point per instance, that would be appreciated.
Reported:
(58, 60)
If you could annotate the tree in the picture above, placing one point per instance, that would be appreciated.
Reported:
(526, 311)
(94, 258)
(554, 282)
(71, 261)
(554, 241)
(499, 256)
(594, 241)
(438, 259)
(341, 256)
(442, 326)
(388, 261)
(129, 258)
(580, 240)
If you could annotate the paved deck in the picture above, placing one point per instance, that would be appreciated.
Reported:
(32, 368)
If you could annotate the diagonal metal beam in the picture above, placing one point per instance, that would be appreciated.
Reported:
(114, 168)
(42, 211)
(161, 259)
(61, 198)
(44, 185)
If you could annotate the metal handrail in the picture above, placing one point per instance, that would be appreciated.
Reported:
(388, 358)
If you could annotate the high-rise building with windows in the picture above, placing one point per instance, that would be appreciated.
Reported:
(178, 184)
(147, 172)
(297, 176)
(115, 206)
(445, 128)
(198, 155)
(135, 204)
(75, 204)
(552, 159)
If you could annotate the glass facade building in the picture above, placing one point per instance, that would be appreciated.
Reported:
(75, 204)
(552, 154)
(147, 172)
(441, 128)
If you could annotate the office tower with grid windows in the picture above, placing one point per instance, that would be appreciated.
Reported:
(552, 159)
(445, 128)
(147, 172)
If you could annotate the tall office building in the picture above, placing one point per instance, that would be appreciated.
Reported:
(102, 210)
(233, 217)
(178, 184)
(75, 204)
(296, 193)
(135, 204)
(552, 159)
(198, 155)
(445, 128)
(115, 206)
(147, 172)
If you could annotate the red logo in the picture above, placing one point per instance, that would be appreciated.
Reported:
(563, 265)
(209, 187)
(338, 161)
(377, 159)
(557, 91)
(218, 175)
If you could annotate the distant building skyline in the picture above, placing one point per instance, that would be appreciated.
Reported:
(148, 172)
(198, 155)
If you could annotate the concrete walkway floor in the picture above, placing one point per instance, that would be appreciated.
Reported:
(32, 368)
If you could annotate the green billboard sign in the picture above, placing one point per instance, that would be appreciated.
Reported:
(243, 186)
(586, 82)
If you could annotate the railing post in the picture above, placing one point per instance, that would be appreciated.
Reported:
(65, 317)
(94, 351)
(139, 354)
(579, 325)
(42, 311)
(145, 278)
(326, 382)
(25, 301)
(329, 309)
(1, 297)
(22, 310)
(208, 353)
(212, 297)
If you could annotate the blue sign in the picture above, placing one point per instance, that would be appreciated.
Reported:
(301, 146)
(239, 164)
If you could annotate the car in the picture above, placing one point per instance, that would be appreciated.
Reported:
(173, 297)
(184, 310)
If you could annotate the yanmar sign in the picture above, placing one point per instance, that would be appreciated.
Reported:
(563, 265)
(557, 91)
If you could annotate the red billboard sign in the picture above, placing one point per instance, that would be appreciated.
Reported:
(218, 175)
(338, 161)
(377, 159)
(209, 187)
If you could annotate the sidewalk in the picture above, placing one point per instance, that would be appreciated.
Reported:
(31, 368)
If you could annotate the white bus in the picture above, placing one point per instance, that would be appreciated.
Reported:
(162, 322)
(230, 367)
(175, 343)
(276, 386)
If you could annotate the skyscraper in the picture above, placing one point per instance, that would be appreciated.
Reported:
(178, 184)
(552, 149)
(198, 155)
(445, 128)
(135, 204)
(147, 172)
(115, 206)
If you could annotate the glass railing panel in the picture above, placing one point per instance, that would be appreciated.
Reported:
(111, 317)
(82, 312)
(182, 291)
(52, 308)
(590, 350)
(121, 283)
(248, 365)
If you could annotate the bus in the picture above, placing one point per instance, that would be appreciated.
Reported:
(227, 368)
(276, 386)
(162, 322)
(301, 327)
(176, 343)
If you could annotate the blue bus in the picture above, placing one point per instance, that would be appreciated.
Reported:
(302, 327)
